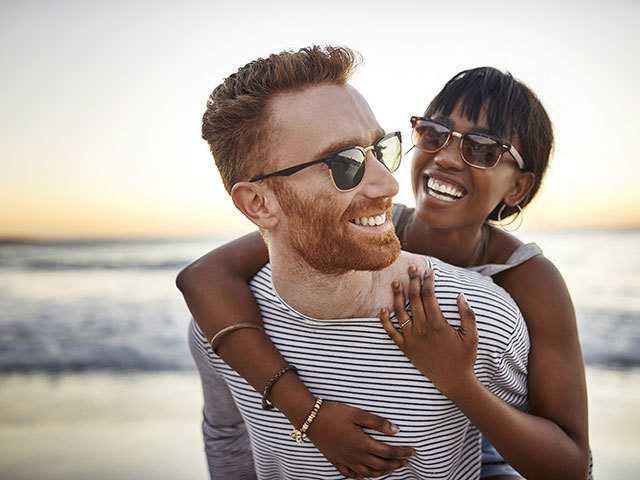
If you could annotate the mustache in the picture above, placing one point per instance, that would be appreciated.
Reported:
(365, 208)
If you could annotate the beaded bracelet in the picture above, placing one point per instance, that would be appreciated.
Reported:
(266, 393)
(301, 435)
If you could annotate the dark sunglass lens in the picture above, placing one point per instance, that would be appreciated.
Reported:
(347, 168)
(429, 136)
(480, 151)
(389, 151)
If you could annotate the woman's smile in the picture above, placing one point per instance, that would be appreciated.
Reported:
(443, 189)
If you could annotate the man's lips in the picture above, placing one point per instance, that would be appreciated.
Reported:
(371, 220)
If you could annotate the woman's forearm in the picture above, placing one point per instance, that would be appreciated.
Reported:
(216, 286)
(216, 290)
(538, 448)
(258, 364)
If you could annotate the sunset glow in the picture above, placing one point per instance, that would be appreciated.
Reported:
(100, 129)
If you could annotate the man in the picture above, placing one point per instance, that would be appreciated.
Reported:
(305, 160)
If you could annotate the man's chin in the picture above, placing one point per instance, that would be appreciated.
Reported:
(383, 253)
(374, 254)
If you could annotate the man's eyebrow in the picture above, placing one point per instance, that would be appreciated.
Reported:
(346, 143)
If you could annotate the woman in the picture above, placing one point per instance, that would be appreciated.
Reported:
(481, 151)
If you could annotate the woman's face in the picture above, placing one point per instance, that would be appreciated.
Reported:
(473, 193)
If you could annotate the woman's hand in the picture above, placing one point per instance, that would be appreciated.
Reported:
(337, 433)
(442, 353)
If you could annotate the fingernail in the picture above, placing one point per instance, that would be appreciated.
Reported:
(395, 284)
(412, 268)
(426, 273)
(463, 298)
(383, 311)
(394, 428)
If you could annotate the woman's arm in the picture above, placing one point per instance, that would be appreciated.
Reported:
(556, 376)
(551, 440)
(215, 288)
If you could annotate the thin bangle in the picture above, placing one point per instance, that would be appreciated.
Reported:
(301, 435)
(266, 393)
(227, 330)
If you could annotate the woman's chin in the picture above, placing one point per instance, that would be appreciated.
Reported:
(433, 217)
(438, 214)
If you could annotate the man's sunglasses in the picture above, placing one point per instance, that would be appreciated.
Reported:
(476, 149)
(347, 165)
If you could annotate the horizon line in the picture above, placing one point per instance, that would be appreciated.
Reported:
(34, 239)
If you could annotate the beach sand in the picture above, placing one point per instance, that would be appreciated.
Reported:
(146, 426)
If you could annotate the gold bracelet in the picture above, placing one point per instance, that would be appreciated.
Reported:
(227, 330)
(301, 435)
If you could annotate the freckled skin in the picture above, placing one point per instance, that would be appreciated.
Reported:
(316, 217)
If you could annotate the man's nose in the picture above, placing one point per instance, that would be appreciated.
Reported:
(450, 157)
(378, 180)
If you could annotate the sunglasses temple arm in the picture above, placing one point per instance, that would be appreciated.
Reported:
(407, 152)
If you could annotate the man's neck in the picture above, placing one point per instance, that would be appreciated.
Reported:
(353, 294)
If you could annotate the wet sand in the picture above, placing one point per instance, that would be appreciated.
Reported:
(146, 426)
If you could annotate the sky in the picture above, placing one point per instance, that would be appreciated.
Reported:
(102, 101)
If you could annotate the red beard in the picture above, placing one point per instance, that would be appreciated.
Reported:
(323, 238)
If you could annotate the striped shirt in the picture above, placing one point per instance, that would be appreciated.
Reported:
(354, 361)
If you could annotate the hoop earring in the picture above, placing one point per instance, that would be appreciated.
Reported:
(519, 215)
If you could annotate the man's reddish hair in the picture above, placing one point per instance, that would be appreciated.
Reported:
(235, 124)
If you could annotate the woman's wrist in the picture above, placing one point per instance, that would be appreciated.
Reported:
(457, 388)
(292, 398)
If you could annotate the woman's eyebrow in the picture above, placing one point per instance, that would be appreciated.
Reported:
(443, 120)
(447, 121)
(482, 130)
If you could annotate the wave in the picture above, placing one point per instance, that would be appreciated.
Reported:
(58, 265)
(610, 338)
(133, 338)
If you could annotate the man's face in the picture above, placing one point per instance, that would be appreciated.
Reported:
(322, 224)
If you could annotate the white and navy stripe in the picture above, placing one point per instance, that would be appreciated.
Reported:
(354, 361)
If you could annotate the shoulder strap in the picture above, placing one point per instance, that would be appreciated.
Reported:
(518, 257)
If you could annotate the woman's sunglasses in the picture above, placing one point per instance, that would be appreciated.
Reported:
(347, 165)
(477, 149)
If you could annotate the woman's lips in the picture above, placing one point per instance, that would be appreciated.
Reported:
(442, 189)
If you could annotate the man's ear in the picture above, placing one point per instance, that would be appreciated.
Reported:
(256, 203)
(522, 185)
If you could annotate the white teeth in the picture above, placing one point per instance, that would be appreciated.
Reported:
(441, 197)
(443, 187)
(371, 221)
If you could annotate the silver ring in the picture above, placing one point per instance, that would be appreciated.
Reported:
(404, 323)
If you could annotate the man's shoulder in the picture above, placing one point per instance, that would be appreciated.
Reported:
(488, 299)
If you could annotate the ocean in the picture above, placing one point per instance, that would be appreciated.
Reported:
(112, 305)
(96, 380)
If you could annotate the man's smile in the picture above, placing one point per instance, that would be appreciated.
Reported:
(370, 221)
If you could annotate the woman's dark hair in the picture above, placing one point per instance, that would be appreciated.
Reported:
(512, 110)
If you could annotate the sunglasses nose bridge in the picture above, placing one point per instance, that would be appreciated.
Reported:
(365, 150)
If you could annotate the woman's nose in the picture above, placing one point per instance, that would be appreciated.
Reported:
(450, 157)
